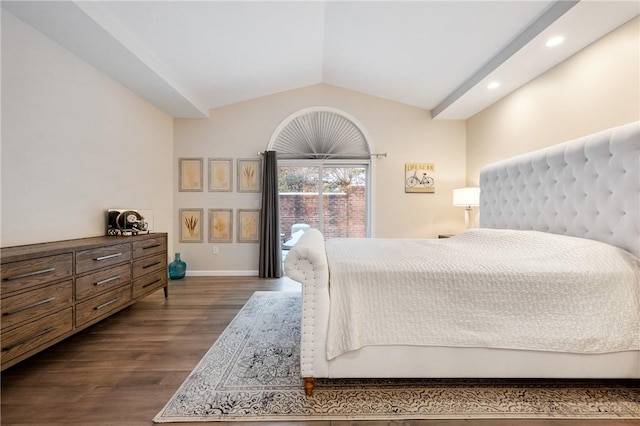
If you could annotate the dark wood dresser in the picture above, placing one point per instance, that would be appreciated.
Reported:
(50, 291)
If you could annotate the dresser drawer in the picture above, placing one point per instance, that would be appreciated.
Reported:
(29, 273)
(101, 281)
(148, 265)
(149, 283)
(90, 260)
(102, 305)
(34, 334)
(149, 247)
(36, 303)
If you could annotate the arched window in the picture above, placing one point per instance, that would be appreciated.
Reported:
(320, 133)
(324, 174)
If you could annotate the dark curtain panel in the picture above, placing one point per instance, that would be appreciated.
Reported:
(270, 244)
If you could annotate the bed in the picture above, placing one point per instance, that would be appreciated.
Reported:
(547, 287)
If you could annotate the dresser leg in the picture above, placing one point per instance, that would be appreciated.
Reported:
(166, 291)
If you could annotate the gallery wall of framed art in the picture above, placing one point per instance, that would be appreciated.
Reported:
(222, 224)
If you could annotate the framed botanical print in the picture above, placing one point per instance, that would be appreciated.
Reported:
(190, 174)
(190, 225)
(220, 225)
(220, 174)
(248, 226)
(249, 175)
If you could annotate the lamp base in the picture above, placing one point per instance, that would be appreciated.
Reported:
(469, 218)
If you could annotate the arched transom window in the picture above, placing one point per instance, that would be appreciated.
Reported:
(320, 133)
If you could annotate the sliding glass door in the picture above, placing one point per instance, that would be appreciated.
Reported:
(332, 196)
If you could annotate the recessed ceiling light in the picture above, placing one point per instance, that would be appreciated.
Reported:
(554, 41)
(493, 85)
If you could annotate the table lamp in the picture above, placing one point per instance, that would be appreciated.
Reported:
(467, 198)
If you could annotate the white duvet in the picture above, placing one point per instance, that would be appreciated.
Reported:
(484, 288)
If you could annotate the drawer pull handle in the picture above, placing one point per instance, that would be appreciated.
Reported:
(108, 280)
(33, 305)
(29, 274)
(150, 265)
(104, 305)
(151, 283)
(110, 256)
(30, 338)
(149, 247)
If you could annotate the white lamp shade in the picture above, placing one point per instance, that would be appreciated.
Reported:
(466, 197)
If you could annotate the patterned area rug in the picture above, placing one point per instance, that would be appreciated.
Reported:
(252, 373)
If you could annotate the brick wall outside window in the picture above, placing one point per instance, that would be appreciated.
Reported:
(344, 212)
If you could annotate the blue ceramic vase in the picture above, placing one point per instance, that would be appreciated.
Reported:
(177, 268)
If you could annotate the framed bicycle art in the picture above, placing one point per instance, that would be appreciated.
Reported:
(419, 177)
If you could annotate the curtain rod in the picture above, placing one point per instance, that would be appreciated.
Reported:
(329, 155)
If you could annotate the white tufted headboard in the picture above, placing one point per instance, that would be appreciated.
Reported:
(588, 187)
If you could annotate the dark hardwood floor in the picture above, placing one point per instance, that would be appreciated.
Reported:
(123, 370)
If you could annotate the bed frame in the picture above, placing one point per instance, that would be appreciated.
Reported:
(588, 187)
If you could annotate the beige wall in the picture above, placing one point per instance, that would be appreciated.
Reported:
(74, 143)
(597, 88)
(405, 133)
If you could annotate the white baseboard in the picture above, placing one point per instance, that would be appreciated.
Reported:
(234, 273)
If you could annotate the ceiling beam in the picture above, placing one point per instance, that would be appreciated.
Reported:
(88, 32)
(554, 12)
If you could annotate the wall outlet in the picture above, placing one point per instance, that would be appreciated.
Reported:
(214, 250)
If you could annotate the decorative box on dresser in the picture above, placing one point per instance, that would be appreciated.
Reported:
(50, 291)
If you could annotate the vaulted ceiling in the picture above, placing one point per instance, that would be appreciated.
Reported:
(189, 56)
